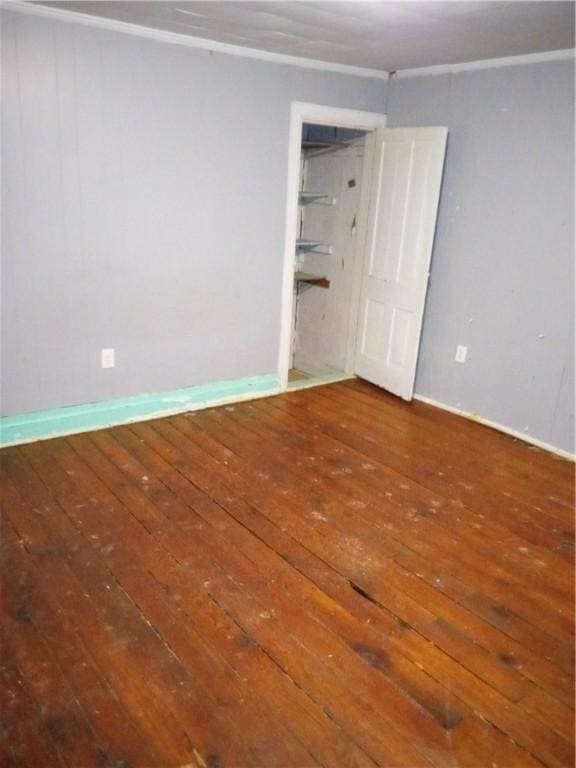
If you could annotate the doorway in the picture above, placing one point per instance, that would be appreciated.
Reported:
(326, 258)
(296, 293)
(361, 214)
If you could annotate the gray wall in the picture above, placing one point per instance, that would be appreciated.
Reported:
(502, 278)
(144, 194)
(143, 209)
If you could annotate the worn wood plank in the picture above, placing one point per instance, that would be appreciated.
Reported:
(520, 727)
(498, 618)
(436, 465)
(330, 577)
(195, 675)
(437, 529)
(502, 669)
(36, 601)
(26, 738)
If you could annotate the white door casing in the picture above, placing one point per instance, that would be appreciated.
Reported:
(403, 207)
(300, 113)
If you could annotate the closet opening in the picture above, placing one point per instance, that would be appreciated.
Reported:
(361, 208)
(327, 267)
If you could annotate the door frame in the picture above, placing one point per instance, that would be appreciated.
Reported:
(300, 113)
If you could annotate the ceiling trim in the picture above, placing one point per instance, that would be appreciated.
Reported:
(22, 6)
(165, 36)
(506, 61)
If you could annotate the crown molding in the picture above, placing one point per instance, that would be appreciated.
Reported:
(176, 38)
(506, 61)
(114, 25)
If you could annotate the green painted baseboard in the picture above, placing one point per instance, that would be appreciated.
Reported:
(40, 425)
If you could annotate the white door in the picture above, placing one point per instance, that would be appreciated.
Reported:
(403, 206)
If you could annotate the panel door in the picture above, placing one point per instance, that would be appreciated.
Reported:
(402, 220)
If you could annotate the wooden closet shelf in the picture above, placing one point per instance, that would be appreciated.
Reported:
(306, 277)
(315, 198)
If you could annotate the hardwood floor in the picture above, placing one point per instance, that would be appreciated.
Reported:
(330, 577)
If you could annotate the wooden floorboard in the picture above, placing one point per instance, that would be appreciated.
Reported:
(331, 577)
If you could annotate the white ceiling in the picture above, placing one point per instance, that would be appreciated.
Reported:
(375, 34)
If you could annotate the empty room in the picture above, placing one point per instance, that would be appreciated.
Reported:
(287, 391)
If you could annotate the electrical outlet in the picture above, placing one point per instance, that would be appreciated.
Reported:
(107, 357)
(461, 353)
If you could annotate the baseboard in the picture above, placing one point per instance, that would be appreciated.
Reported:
(318, 381)
(500, 427)
(70, 420)
(42, 425)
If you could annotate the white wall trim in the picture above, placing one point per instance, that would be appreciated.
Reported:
(507, 61)
(500, 427)
(176, 38)
(300, 113)
(115, 25)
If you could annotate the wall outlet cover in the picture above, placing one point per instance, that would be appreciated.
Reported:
(461, 354)
(107, 358)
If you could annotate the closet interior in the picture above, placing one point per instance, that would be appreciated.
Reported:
(326, 271)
